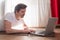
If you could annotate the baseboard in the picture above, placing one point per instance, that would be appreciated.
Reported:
(36, 27)
(58, 26)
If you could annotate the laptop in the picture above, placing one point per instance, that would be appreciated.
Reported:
(49, 30)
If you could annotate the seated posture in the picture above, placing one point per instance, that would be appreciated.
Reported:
(14, 22)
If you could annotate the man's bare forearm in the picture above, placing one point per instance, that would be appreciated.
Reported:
(17, 31)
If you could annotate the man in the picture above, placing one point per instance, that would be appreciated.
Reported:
(12, 20)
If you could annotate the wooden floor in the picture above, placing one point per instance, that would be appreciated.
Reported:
(12, 37)
(57, 34)
(29, 37)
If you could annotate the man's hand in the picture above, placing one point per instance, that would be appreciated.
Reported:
(30, 30)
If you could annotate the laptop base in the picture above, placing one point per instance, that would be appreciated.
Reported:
(42, 34)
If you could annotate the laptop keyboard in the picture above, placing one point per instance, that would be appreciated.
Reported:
(39, 32)
(42, 32)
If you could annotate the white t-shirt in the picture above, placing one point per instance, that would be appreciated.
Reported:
(16, 24)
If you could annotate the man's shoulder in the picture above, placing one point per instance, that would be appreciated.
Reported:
(9, 13)
(9, 17)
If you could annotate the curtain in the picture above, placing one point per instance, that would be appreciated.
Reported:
(44, 12)
(55, 9)
(58, 3)
(1, 15)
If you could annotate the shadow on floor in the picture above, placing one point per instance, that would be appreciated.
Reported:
(20, 34)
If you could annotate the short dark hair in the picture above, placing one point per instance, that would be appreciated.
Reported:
(18, 7)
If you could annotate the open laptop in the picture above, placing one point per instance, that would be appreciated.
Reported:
(49, 31)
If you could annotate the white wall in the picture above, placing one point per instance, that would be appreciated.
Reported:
(1, 14)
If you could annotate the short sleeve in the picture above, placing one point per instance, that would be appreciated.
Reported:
(8, 17)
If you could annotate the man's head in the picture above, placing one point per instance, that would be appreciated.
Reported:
(20, 9)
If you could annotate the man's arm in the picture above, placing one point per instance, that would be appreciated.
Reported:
(25, 26)
(9, 30)
(24, 23)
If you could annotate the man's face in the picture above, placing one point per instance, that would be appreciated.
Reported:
(22, 12)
